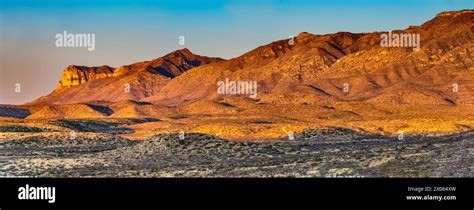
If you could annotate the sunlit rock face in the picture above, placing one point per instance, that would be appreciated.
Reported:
(75, 75)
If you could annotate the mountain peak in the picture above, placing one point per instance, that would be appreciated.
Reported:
(304, 35)
(454, 13)
(184, 51)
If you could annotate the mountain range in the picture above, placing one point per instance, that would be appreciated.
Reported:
(308, 69)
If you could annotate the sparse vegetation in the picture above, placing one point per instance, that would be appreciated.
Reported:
(199, 155)
(93, 126)
(18, 128)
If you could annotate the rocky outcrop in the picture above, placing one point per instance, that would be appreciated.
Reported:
(75, 75)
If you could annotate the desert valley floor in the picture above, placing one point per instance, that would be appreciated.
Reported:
(332, 153)
(245, 145)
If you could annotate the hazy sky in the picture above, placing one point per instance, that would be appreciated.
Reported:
(128, 31)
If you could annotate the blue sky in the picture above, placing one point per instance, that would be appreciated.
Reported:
(129, 31)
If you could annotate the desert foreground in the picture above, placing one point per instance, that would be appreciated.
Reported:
(329, 153)
(300, 142)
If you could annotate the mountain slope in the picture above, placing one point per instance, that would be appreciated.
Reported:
(317, 68)
(131, 82)
(270, 65)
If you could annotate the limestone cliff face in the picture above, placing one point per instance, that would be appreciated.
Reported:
(75, 75)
